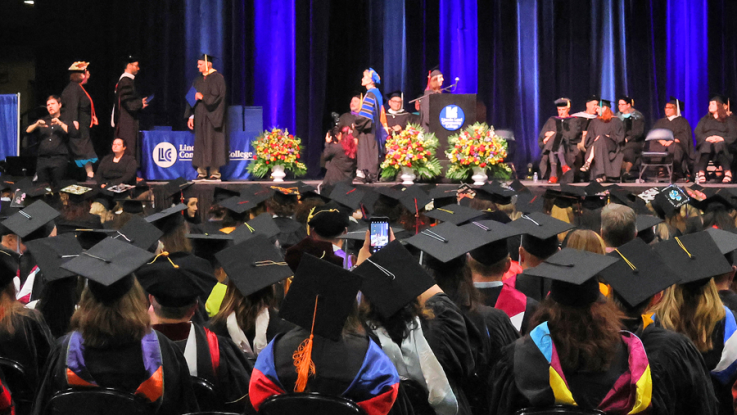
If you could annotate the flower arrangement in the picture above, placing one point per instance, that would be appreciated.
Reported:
(477, 146)
(276, 148)
(412, 148)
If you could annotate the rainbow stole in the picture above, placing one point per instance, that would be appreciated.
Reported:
(631, 393)
(152, 389)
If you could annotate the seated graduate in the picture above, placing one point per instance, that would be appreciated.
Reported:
(584, 119)
(693, 308)
(240, 209)
(325, 224)
(539, 241)
(181, 191)
(488, 330)
(174, 284)
(681, 149)
(339, 156)
(397, 118)
(618, 225)
(282, 206)
(116, 168)
(557, 141)
(174, 229)
(248, 315)
(76, 212)
(604, 145)
(714, 133)
(24, 336)
(112, 344)
(634, 132)
(329, 353)
(488, 264)
(577, 354)
(681, 382)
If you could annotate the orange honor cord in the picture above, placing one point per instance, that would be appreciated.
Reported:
(303, 357)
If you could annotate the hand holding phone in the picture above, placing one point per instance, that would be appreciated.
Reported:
(379, 233)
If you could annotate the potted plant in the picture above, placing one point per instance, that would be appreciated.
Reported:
(411, 152)
(477, 150)
(276, 150)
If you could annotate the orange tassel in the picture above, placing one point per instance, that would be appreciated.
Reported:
(303, 358)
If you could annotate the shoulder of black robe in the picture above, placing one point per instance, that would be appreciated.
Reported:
(128, 97)
(233, 376)
(70, 97)
(504, 396)
(29, 345)
(277, 325)
(729, 298)
(290, 231)
(681, 381)
(448, 337)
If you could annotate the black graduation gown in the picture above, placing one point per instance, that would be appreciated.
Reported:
(367, 151)
(400, 118)
(608, 149)
(566, 133)
(683, 151)
(709, 126)
(290, 231)
(347, 119)
(232, 374)
(533, 287)
(211, 146)
(111, 173)
(634, 131)
(425, 108)
(339, 167)
(29, 345)
(57, 302)
(490, 295)
(128, 105)
(121, 367)
(78, 107)
(681, 381)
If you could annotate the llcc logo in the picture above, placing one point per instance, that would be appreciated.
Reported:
(165, 154)
(452, 117)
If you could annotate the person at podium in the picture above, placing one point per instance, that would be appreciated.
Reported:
(396, 117)
(434, 86)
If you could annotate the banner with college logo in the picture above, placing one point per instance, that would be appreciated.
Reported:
(167, 155)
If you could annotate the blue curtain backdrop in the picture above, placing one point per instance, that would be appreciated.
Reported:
(8, 125)
(302, 60)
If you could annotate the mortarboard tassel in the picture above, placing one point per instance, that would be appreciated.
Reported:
(303, 357)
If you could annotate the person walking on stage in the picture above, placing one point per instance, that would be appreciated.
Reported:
(370, 128)
(79, 108)
(207, 118)
(127, 107)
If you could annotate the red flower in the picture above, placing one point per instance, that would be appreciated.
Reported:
(482, 165)
(267, 162)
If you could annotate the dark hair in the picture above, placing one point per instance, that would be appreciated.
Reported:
(304, 208)
(496, 269)
(74, 210)
(54, 97)
(76, 77)
(721, 113)
(454, 278)
(400, 324)
(586, 338)
(176, 240)
(282, 206)
(718, 215)
(118, 138)
(246, 308)
(172, 313)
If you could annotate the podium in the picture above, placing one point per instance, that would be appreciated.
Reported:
(449, 114)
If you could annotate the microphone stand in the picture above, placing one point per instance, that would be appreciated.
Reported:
(451, 88)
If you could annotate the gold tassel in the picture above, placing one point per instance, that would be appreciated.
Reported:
(303, 357)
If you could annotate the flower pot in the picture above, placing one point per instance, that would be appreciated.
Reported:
(479, 176)
(277, 173)
(408, 175)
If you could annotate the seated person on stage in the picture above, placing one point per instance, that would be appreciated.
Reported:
(117, 168)
(282, 206)
(339, 157)
(555, 140)
(714, 134)
(112, 344)
(584, 119)
(173, 294)
(604, 145)
(681, 149)
(634, 132)
(396, 117)
(330, 352)
(53, 133)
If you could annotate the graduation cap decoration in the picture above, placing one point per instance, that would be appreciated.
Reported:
(669, 200)
(79, 66)
(262, 224)
(327, 220)
(455, 214)
(696, 257)
(254, 264)
(51, 253)
(392, 278)
(28, 220)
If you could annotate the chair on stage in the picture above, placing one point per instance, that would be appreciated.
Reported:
(309, 404)
(658, 159)
(508, 136)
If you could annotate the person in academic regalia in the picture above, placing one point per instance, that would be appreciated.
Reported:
(329, 352)
(118, 167)
(557, 141)
(127, 107)
(325, 224)
(681, 149)
(174, 283)
(604, 145)
(80, 109)
(207, 119)
(53, 137)
(396, 117)
(283, 205)
(576, 354)
(434, 86)
(348, 119)
(339, 157)
(634, 131)
(714, 133)
(370, 128)
(681, 383)
(112, 344)
(584, 119)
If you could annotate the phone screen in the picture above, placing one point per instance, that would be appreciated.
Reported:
(379, 235)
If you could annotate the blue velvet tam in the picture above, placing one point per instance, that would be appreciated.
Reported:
(375, 78)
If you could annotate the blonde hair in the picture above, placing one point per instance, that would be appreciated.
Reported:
(586, 240)
(98, 209)
(692, 311)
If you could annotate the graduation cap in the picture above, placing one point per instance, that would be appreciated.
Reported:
(207, 245)
(443, 196)
(303, 187)
(140, 188)
(605, 103)
(446, 241)
(592, 98)
(496, 193)
(518, 187)
(262, 224)
(254, 264)
(639, 274)
(168, 219)
(494, 235)
(51, 253)
(528, 202)
(455, 214)
(320, 297)
(394, 94)
(78, 194)
(88, 238)
(79, 66)
(414, 199)
(435, 71)
(669, 200)
(573, 272)
(645, 222)
(715, 200)
(626, 99)
(695, 256)
(139, 232)
(328, 220)
(347, 195)
(176, 279)
(368, 201)
(719, 98)
(131, 59)
(375, 78)
(207, 58)
(392, 278)
(257, 191)
(109, 266)
(9, 264)
(176, 188)
(31, 219)
(132, 206)
(562, 102)
(680, 106)
(726, 241)
(540, 233)
(221, 193)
